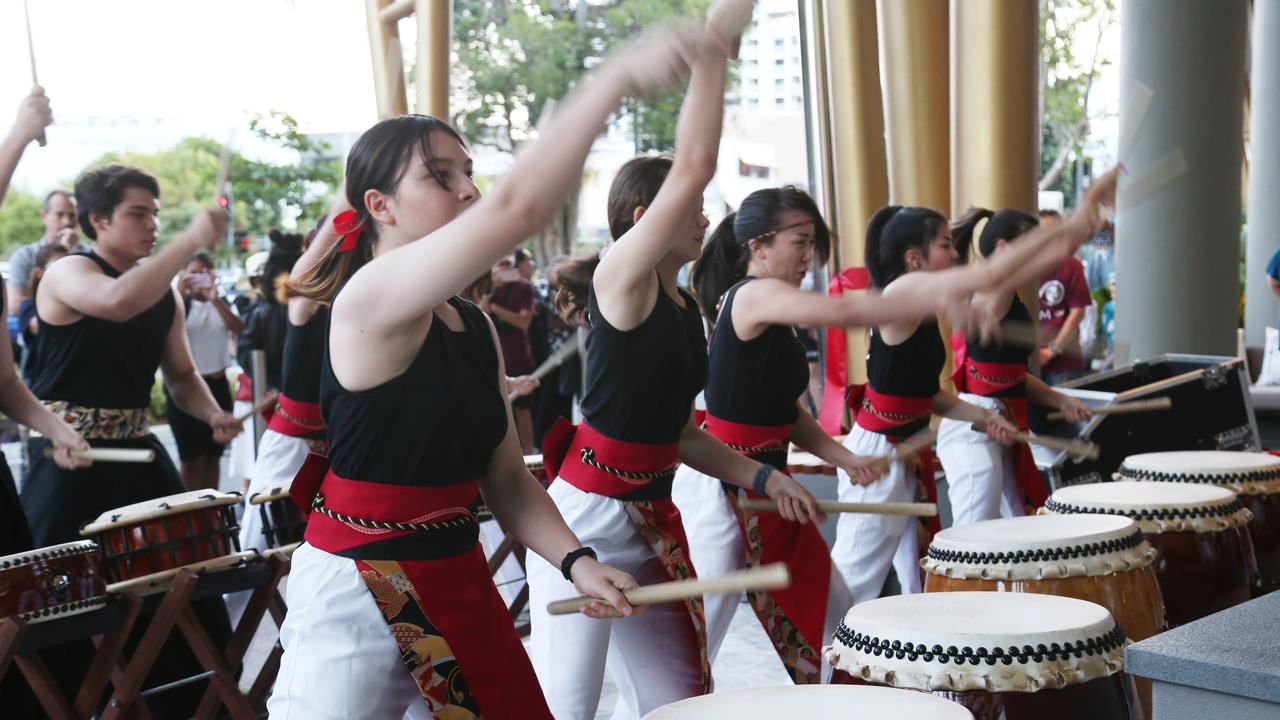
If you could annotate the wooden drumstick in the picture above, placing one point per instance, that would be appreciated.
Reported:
(262, 406)
(767, 577)
(1078, 449)
(566, 351)
(831, 506)
(123, 455)
(31, 52)
(224, 171)
(1136, 406)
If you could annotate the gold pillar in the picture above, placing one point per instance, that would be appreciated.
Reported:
(913, 44)
(857, 138)
(995, 126)
(435, 35)
(388, 66)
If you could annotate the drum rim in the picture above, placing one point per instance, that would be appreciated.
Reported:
(61, 610)
(1263, 479)
(1210, 516)
(67, 549)
(210, 499)
(1119, 550)
(277, 492)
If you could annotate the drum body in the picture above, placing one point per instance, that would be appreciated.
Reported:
(282, 521)
(1254, 477)
(52, 582)
(166, 533)
(1204, 556)
(811, 701)
(1100, 558)
(1003, 656)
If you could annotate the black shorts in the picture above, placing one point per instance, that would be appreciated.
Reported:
(193, 436)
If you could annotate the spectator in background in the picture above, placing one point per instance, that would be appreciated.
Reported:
(268, 317)
(1273, 277)
(27, 320)
(59, 218)
(554, 397)
(1102, 257)
(511, 307)
(211, 323)
(1109, 322)
(1064, 295)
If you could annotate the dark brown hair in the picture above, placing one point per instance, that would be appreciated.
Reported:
(378, 161)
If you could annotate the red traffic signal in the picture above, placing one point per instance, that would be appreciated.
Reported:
(223, 201)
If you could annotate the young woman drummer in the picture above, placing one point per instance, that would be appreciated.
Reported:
(905, 249)
(987, 480)
(645, 362)
(751, 271)
(390, 598)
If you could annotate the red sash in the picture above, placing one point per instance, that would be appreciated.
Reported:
(799, 612)
(987, 379)
(244, 393)
(296, 418)
(883, 414)
(579, 455)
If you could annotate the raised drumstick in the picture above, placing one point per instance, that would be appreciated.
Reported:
(31, 52)
(1078, 449)
(557, 359)
(1136, 406)
(767, 577)
(263, 405)
(831, 506)
(124, 455)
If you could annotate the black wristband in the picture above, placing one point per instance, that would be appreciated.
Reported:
(567, 563)
(762, 476)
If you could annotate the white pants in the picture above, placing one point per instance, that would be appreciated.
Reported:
(716, 547)
(868, 545)
(649, 660)
(980, 474)
(240, 461)
(279, 459)
(340, 660)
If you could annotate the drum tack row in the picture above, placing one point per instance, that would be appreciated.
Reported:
(1180, 536)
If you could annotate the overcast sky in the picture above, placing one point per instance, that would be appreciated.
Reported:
(180, 67)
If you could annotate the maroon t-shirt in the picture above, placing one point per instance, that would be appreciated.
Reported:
(515, 296)
(1060, 292)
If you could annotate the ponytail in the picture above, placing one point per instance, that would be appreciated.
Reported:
(575, 285)
(962, 231)
(1006, 225)
(722, 264)
(322, 281)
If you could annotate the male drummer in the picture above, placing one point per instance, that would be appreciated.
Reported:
(107, 323)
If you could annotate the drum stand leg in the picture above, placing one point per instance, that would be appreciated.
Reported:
(507, 547)
(12, 630)
(109, 648)
(267, 676)
(233, 655)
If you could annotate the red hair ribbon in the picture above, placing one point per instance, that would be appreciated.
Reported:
(348, 225)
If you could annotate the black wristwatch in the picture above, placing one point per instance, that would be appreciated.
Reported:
(567, 563)
(762, 477)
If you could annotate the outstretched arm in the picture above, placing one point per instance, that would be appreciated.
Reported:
(422, 275)
(34, 116)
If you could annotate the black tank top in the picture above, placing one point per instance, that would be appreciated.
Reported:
(910, 368)
(756, 382)
(437, 423)
(998, 352)
(641, 382)
(303, 354)
(99, 363)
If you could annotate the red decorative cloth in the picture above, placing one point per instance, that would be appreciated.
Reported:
(884, 413)
(837, 371)
(296, 418)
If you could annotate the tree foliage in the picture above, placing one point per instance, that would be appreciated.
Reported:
(1067, 80)
(19, 220)
(264, 193)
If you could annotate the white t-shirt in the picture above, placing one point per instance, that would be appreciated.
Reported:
(207, 333)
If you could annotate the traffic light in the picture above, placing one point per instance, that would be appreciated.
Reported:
(224, 202)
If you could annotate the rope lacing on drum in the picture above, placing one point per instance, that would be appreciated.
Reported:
(1041, 555)
(1209, 478)
(589, 458)
(317, 505)
(899, 417)
(1226, 509)
(883, 647)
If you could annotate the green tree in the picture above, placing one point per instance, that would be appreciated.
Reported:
(264, 193)
(1066, 81)
(515, 56)
(19, 220)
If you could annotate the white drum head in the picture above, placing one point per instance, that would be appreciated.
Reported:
(79, 547)
(1006, 642)
(812, 701)
(1157, 507)
(1251, 473)
(276, 493)
(158, 508)
(1039, 547)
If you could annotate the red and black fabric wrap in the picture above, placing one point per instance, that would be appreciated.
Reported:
(895, 417)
